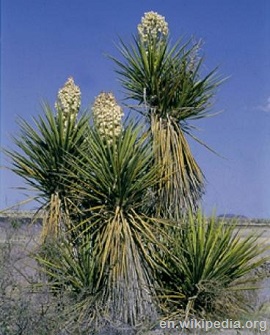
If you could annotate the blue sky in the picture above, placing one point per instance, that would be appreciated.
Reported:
(43, 42)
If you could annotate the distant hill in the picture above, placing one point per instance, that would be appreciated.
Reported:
(233, 216)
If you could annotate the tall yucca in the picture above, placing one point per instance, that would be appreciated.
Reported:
(170, 89)
(40, 159)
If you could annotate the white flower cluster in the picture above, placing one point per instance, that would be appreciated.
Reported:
(153, 26)
(69, 100)
(107, 115)
(194, 56)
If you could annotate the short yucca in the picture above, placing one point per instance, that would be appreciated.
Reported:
(211, 265)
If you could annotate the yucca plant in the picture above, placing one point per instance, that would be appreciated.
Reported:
(168, 84)
(211, 264)
(39, 158)
(110, 181)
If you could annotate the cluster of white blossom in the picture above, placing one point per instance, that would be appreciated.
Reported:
(194, 56)
(69, 100)
(107, 116)
(153, 26)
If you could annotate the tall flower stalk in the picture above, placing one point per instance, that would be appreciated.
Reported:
(68, 101)
(153, 28)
